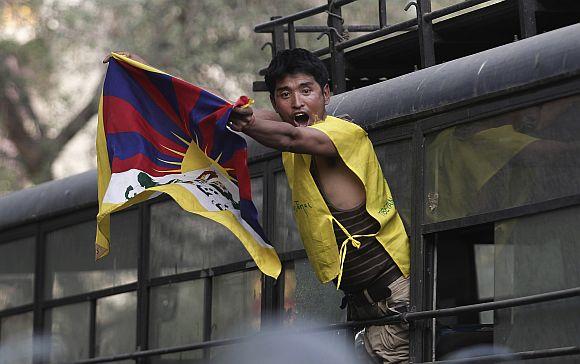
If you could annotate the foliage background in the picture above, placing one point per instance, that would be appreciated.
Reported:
(51, 70)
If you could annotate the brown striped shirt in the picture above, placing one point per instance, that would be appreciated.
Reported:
(370, 261)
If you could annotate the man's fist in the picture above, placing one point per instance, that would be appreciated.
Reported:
(241, 118)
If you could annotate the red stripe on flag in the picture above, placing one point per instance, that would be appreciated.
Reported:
(155, 94)
(207, 128)
(238, 162)
(121, 116)
(187, 96)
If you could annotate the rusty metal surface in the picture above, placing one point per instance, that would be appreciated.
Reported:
(527, 62)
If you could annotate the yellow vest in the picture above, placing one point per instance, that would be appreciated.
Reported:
(313, 216)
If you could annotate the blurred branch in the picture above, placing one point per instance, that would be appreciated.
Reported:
(13, 123)
(27, 106)
(80, 119)
(16, 91)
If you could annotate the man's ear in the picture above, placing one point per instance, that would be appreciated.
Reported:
(326, 93)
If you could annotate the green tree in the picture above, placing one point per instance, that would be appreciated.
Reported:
(50, 69)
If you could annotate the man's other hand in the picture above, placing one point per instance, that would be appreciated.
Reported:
(126, 54)
(241, 119)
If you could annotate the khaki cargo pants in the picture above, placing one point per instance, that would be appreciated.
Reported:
(388, 343)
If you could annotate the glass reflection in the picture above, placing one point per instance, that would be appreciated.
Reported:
(183, 242)
(287, 237)
(258, 196)
(525, 156)
(16, 272)
(236, 304)
(538, 254)
(116, 325)
(395, 160)
(16, 339)
(306, 300)
(70, 258)
(176, 317)
(69, 332)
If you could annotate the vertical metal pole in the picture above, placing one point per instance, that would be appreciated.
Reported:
(143, 281)
(270, 287)
(278, 43)
(426, 36)
(269, 315)
(527, 14)
(291, 35)
(38, 316)
(337, 62)
(418, 329)
(434, 267)
(93, 328)
(383, 13)
(207, 319)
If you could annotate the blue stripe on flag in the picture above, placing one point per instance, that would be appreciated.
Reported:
(128, 144)
(119, 83)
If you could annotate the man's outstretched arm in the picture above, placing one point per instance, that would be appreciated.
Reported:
(268, 129)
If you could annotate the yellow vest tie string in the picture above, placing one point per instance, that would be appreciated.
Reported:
(342, 252)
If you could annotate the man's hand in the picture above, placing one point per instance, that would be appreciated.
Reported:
(241, 118)
(126, 54)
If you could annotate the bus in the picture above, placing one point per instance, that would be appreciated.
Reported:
(473, 110)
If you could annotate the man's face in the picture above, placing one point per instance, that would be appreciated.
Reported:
(299, 99)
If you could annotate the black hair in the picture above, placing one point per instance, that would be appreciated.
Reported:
(291, 62)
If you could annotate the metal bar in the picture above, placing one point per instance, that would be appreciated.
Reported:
(38, 315)
(527, 15)
(376, 34)
(418, 242)
(83, 297)
(278, 42)
(269, 314)
(522, 355)
(270, 296)
(207, 317)
(426, 36)
(382, 13)
(431, 15)
(360, 28)
(203, 273)
(337, 61)
(411, 316)
(163, 351)
(92, 328)
(434, 297)
(268, 26)
(291, 36)
(321, 51)
(16, 310)
(510, 213)
(367, 37)
(488, 306)
(142, 326)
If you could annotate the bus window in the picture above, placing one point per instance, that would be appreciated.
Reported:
(464, 270)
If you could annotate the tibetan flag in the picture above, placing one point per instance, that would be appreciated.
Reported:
(159, 134)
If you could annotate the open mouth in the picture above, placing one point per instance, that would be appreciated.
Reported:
(301, 118)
